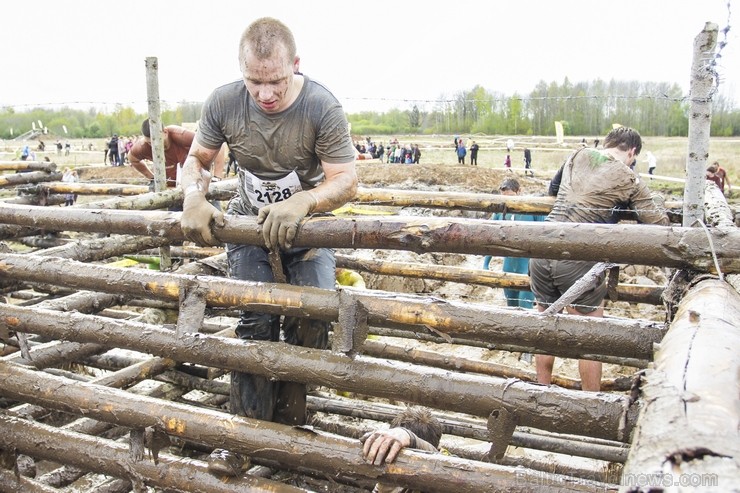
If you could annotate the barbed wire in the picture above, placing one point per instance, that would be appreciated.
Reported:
(405, 101)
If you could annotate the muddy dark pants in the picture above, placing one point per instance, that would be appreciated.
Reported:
(256, 396)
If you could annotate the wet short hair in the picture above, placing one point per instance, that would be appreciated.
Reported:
(421, 422)
(145, 130)
(509, 184)
(712, 168)
(263, 36)
(624, 139)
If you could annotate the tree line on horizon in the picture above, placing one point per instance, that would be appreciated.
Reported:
(584, 108)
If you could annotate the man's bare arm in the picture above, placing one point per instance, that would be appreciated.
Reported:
(339, 187)
(197, 213)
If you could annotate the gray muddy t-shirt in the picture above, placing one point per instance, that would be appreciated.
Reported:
(271, 146)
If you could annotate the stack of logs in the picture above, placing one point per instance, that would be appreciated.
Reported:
(155, 411)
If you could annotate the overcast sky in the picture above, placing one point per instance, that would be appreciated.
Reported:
(372, 55)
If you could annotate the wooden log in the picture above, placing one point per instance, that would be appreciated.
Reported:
(615, 243)
(559, 335)
(384, 349)
(10, 483)
(37, 200)
(85, 188)
(476, 202)
(700, 119)
(112, 458)
(688, 426)
(293, 446)
(28, 166)
(30, 177)
(549, 408)
(626, 292)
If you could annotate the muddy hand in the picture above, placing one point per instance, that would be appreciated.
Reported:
(384, 446)
(197, 217)
(280, 221)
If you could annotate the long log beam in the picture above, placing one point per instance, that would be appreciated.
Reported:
(560, 335)
(688, 427)
(625, 292)
(27, 166)
(85, 188)
(293, 446)
(29, 177)
(112, 458)
(483, 202)
(548, 408)
(614, 243)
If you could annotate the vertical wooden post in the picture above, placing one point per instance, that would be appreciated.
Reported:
(155, 127)
(700, 119)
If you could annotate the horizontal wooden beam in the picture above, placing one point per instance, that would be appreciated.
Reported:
(615, 243)
(560, 335)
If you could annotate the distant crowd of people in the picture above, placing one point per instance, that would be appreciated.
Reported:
(117, 149)
(394, 153)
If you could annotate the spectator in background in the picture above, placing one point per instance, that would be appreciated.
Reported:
(67, 148)
(507, 162)
(509, 145)
(115, 158)
(70, 176)
(474, 154)
(417, 153)
(25, 153)
(528, 162)
(517, 265)
(652, 162)
(724, 179)
(122, 150)
(461, 152)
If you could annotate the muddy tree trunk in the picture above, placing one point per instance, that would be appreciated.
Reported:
(688, 428)
(625, 292)
(560, 335)
(634, 244)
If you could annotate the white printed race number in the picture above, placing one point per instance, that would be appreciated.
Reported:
(266, 192)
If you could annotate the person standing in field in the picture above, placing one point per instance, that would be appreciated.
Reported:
(528, 162)
(589, 187)
(295, 156)
(652, 163)
(461, 152)
(474, 153)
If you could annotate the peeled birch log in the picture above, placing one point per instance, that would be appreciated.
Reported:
(687, 431)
